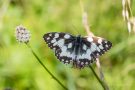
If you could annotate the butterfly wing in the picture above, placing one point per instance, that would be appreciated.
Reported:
(91, 48)
(97, 45)
(62, 45)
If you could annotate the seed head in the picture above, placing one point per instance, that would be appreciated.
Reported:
(132, 21)
(22, 34)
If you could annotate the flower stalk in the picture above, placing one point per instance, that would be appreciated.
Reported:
(103, 84)
(23, 36)
(45, 67)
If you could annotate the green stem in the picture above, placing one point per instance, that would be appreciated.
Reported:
(103, 84)
(46, 68)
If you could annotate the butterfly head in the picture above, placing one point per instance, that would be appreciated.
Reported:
(79, 36)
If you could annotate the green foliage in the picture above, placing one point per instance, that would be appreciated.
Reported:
(20, 71)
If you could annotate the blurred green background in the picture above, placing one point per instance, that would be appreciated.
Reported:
(19, 70)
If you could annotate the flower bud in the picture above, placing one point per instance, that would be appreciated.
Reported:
(22, 34)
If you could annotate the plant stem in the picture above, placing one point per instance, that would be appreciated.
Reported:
(103, 84)
(89, 33)
(46, 67)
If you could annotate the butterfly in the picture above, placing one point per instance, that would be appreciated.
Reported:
(76, 50)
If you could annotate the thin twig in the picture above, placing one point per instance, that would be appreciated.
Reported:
(89, 33)
(46, 67)
(99, 68)
(101, 74)
(4, 8)
(85, 21)
(99, 80)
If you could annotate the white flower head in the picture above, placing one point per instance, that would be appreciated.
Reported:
(22, 34)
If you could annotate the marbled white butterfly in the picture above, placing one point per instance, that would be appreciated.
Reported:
(76, 50)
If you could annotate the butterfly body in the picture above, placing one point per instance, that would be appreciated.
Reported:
(80, 51)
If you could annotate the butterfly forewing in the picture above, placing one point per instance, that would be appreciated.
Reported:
(56, 40)
(62, 45)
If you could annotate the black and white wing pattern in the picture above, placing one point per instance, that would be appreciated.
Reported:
(92, 48)
(76, 50)
(62, 45)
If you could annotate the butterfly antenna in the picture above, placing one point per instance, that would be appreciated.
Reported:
(76, 29)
